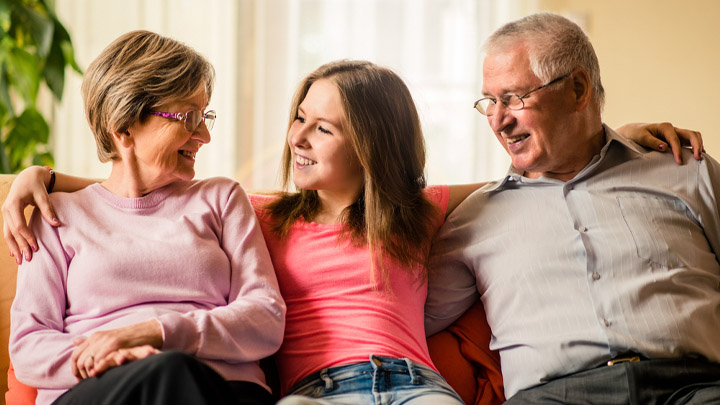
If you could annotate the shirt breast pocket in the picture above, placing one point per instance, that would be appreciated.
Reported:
(663, 230)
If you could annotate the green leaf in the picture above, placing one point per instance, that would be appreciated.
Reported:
(4, 160)
(49, 6)
(4, 17)
(31, 125)
(54, 70)
(5, 100)
(23, 74)
(30, 130)
(66, 45)
(43, 159)
(40, 28)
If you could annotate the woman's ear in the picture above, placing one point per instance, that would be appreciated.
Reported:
(123, 139)
(582, 88)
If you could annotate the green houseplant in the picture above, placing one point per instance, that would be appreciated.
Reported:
(35, 48)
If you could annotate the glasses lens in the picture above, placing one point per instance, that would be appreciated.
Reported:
(192, 120)
(485, 106)
(209, 119)
(514, 102)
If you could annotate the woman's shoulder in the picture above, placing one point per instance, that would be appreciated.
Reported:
(222, 188)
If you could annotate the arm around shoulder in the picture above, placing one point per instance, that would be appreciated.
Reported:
(452, 285)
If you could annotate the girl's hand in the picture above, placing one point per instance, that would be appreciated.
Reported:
(652, 136)
(28, 188)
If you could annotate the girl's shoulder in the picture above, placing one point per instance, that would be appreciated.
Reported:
(438, 195)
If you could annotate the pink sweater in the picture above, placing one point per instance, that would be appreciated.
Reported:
(190, 255)
(336, 314)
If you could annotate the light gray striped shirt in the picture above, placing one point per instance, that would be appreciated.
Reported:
(622, 257)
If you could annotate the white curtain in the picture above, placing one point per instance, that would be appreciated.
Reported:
(262, 48)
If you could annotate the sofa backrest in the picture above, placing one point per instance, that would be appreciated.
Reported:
(8, 276)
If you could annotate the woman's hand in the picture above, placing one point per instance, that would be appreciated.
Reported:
(120, 357)
(90, 351)
(652, 136)
(28, 188)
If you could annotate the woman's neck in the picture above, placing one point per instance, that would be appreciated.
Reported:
(126, 182)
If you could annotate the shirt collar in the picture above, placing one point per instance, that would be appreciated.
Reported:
(514, 176)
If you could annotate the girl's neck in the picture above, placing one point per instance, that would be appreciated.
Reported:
(332, 206)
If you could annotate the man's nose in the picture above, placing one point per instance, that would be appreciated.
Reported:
(500, 117)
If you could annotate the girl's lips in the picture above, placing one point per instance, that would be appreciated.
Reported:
(303, 161)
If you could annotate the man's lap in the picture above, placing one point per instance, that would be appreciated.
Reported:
(659, 381)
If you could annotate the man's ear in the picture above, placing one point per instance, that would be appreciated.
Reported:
(582, 88)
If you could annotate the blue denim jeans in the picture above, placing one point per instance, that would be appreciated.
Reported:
(382, 380)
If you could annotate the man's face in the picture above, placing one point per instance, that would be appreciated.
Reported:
(541, 138)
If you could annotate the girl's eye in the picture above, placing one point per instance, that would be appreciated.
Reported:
(324, 131)
(301, 119)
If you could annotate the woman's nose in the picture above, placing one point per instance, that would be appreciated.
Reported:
(201, 134)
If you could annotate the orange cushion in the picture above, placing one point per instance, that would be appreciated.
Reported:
(18, 393)
(462, 355)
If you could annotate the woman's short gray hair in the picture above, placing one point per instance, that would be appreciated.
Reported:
(556, 46)
(138, 72)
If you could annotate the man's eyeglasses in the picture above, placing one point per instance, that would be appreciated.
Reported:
(487, 105)
(192, 118)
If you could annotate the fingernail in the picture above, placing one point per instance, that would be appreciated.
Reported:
(34, 248)
(27, 256)
(55, 221)
(12, 254)
(662, 146)
(17, 260)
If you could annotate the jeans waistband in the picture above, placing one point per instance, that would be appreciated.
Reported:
(386, 364)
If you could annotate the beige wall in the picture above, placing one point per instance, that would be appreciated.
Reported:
(659, 59)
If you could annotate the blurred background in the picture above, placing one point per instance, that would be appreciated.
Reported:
(656, 56)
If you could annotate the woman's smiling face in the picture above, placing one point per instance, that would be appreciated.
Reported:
(164, 151)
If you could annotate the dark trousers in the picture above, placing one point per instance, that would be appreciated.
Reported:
(659, 381)
(166, 378)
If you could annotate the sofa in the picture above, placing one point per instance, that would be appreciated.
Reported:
(460, 352)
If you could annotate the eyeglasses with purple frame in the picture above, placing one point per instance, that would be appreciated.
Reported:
(192, 118)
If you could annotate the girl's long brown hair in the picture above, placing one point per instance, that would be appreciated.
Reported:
(391, 215)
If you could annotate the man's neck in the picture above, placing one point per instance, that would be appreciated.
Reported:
(595, 143)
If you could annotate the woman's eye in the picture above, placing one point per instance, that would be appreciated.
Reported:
(300, 119)
(324, 131)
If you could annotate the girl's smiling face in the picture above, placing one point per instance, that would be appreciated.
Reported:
(323, 157)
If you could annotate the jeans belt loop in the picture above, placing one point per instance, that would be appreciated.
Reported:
(328, 381)
(414, 379)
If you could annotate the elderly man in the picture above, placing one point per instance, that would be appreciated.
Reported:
(596, 260)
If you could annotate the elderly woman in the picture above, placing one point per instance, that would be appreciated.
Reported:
(155, 260)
